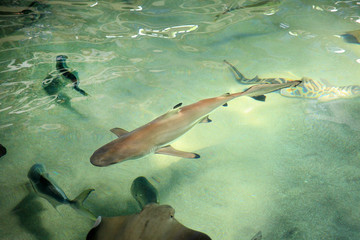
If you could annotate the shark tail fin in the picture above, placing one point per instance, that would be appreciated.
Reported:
(238, 75)
(77, 204)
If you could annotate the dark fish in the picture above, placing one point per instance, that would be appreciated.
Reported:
(2, 150)
(47, 188)
(144, 192)
(63, 69)
(52, 85)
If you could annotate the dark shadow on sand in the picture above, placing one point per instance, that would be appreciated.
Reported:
(28, 212)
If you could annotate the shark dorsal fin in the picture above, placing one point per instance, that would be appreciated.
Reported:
(177, 105)
(118, 131)
(172, 111)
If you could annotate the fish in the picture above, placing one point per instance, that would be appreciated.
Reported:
(309, 88)
(256, 80)
(156, 136)
(53, 85)
(144, 192)
(2, 150)
(69, 74)
(321, 91)
(47, 188)
(154, 222)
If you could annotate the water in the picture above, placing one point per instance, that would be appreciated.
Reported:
(287, 167)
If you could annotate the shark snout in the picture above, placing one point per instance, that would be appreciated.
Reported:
(98, 161)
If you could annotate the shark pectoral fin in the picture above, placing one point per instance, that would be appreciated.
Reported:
(260, 98)
(206, 120)
(118, 131)
(169, 150)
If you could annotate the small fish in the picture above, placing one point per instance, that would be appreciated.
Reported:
(64, 70)
(47, 188)
(155, 136)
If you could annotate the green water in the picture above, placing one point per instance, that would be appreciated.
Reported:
(288, 167)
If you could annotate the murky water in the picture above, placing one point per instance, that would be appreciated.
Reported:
(288, 166)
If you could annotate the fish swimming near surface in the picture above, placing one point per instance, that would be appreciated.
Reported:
(56, 80)
(309, 88)
(69, 74)
(47, 188)
(53, 85)
(155, 136)
(154, 222)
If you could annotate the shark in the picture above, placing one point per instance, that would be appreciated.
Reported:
(156, 136)
(309, 88)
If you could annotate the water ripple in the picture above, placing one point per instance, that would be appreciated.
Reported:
(33, 104)
(111, 73)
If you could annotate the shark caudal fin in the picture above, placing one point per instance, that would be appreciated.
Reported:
(77, 204)
(238, 75)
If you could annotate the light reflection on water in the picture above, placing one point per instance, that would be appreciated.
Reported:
(288, 167)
